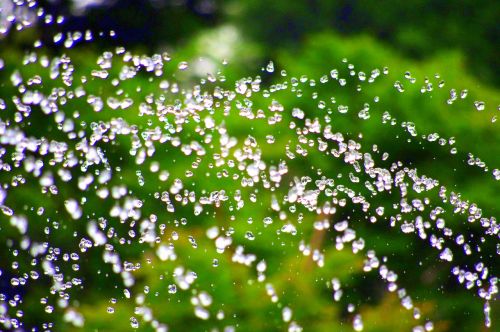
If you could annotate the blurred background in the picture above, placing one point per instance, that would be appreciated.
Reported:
(455, 42)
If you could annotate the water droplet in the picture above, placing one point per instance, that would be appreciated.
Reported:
(183, 65)
(270, 67)
(479, 105)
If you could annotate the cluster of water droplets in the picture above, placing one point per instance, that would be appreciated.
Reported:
(72, 144)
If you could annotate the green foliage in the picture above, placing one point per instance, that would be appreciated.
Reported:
(299, 282)
(416, 28)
